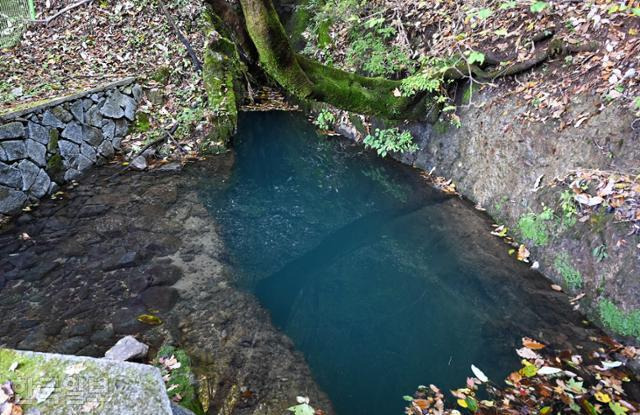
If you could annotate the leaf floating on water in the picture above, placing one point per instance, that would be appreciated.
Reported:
(302, 409)
(532, 344)
(548, 370)
(479, 374)
(523, 254)
(529, 370)
(527, 353)
(149, 319)
(606, 365)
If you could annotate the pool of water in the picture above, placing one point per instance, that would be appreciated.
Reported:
(381, 281)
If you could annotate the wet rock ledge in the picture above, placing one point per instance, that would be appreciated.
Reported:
(43, 383)
(52, 143)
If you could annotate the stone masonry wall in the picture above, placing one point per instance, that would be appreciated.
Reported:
(49, 144)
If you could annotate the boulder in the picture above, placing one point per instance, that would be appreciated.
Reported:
(73, 132)
(106, 149)
(129, 107)
(139, 163)
(62, 114)
(84, 163)
(127, 348)
(108, 129)
(77, 109)
(68, 150)
(41, 185)
(137, 92)
(10, 176)
(36, 152)
(178, 410)
(93, 117)
(11, 199)
(38, 133)
(12, 150)
(89, 152)
(121, 127)
(85, 385)
(93, 135)
(71, 174)
(51, 120)
(11, 130)
(112, 107)
(29, 173)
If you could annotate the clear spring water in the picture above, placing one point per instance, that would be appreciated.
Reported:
(382, 282)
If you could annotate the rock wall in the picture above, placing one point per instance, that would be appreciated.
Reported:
(49, 144)
(508, 167)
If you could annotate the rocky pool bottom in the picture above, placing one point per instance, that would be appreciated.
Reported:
(405, 285)
(115, 248)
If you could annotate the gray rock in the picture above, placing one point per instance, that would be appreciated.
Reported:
(11, 199)
(62, 114)
(178, 410)
(130, 106)
(106, 149)
(68, 150)
(127, 348)
(93, 117)
(117, 143)
(109, 129)
(93, 136)
(51, 120)
(71, 345)
(139, 163)
(170, 167)
(103, 336)
(95, 97)
(84, 163)
(108, 387)
(126, 89)
(38, 133)
(112, 107)
(71, 174)
(29, 173)
(160, 298)
(41, 186)
(89, 152)
(86, 104)
(122, 127)
(137, 92)
(11, 130)
(10, 176)
(73, 132)
(37, 152)
(53, 187)
(77, 109)
(12, 150)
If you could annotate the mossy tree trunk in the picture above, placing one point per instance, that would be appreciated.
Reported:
(311, 80)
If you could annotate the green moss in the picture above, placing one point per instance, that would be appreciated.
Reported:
(54, 164)
(441, 127)
(54, 136)
(141, 123)
(571, 276)
(181, 381)
(620, 321)
(162, 75)
(535, 227)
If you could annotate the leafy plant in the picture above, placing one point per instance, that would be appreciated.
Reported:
(621, 322)
(571, 276)
(534, 227)
(325, 120)
(391, 140)
(600, 253)
(538, 6)
(475, 57)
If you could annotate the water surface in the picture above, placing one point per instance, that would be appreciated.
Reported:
(381, 281)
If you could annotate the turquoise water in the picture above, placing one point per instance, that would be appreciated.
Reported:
(381, 281)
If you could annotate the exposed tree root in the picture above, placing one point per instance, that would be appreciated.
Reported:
(308, 79)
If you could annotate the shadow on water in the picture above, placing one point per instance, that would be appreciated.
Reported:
(381, 281)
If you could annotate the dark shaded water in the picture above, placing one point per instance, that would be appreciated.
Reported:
(382, 282)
